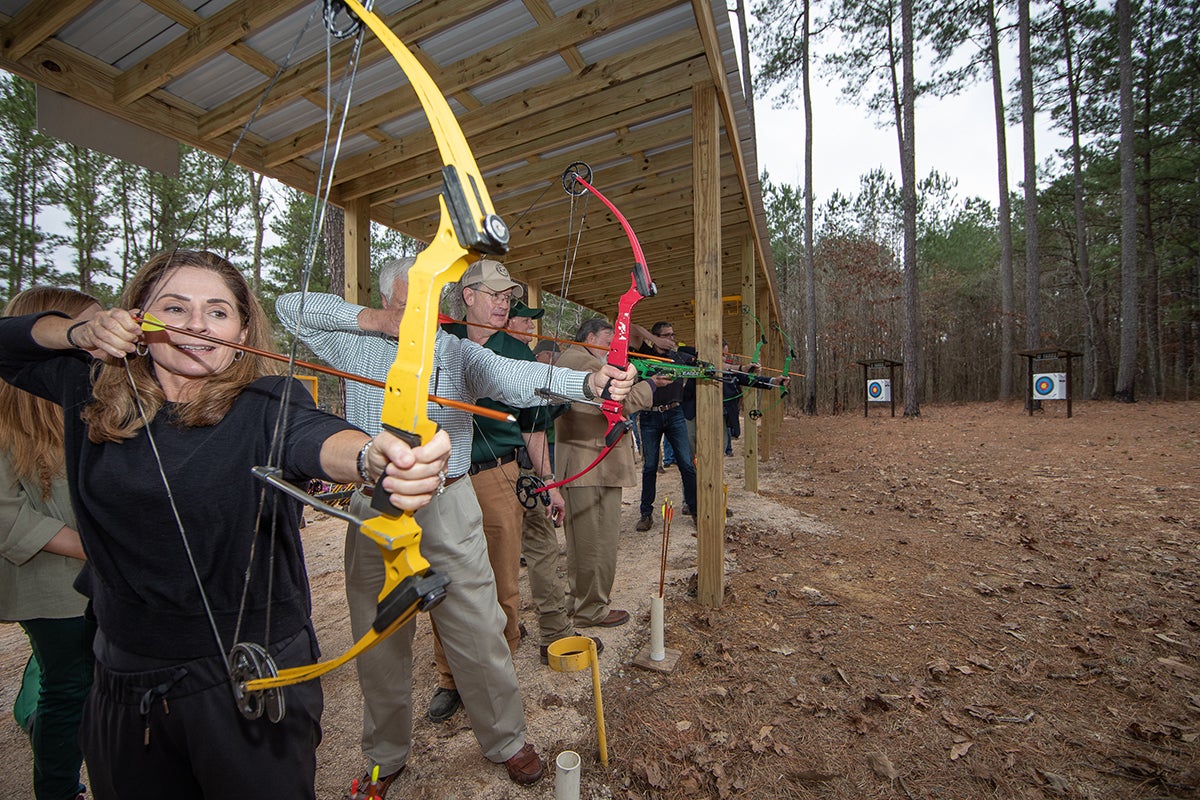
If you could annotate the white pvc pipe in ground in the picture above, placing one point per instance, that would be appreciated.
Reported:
(566, 776)
(658, 650)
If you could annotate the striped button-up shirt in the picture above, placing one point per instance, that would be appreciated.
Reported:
(462, 370)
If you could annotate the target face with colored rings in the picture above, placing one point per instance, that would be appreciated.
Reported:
(875, 389)
(1050, 386)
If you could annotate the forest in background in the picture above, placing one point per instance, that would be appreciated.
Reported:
(74, 217)
(1101, 233)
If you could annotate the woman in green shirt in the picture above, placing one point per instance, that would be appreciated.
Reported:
(42, 556)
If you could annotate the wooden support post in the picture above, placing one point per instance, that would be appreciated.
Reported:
(706, 204)
(777, 404)
(766, 433)
(751, 398)
(357, 281)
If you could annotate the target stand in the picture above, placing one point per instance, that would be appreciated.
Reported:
(1047, 385)
(879, 390)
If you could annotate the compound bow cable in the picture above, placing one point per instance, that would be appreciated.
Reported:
(159, 465)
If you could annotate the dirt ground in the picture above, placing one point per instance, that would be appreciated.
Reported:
(970, 604)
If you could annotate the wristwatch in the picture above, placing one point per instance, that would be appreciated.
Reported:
(588, 394)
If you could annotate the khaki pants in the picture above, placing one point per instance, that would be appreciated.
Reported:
(503, 514)
(593, 528)
(539, 543)
(468, 620)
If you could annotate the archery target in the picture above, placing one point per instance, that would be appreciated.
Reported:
(879, 390)
(1050, 386)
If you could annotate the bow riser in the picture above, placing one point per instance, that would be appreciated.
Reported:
(467, 228)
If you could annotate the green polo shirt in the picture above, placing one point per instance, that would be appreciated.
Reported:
(492, 438)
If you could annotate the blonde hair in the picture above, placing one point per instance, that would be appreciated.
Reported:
(113, 413)
(31, 428)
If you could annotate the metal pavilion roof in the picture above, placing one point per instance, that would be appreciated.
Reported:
(535, 84)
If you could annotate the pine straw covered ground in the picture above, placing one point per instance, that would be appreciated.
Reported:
(972, 604)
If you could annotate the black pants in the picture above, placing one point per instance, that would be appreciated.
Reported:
(63, 648)
(176, 733)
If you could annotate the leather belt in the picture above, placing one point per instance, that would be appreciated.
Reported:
(665, 407)
(369, 491)
(480, 466)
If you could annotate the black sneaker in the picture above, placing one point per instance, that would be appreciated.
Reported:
(443, 705)
(645, 523)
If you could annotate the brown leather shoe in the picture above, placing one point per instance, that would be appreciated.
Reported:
(615, 617)
(525, 767)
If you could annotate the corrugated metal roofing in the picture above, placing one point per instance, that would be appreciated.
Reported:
(535, 86)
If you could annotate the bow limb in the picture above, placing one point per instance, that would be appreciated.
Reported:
(762, 333)
(785, 373)
(467, 228)
(470, 212)
(640, 285)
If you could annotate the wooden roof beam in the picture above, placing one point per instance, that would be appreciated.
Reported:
(36, 23)
(197, 45)
(511, 54)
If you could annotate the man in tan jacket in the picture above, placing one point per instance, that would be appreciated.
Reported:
(593, 502)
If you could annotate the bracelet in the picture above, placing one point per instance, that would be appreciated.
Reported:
(71, 330)
(588, 394)
(363, 464)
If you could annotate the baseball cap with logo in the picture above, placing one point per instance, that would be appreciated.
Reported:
(492, 275)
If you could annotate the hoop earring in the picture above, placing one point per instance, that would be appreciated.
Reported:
(141, 349)
(238, 355)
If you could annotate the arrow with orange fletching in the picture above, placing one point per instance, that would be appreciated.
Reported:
(151, 324)
(446, 319)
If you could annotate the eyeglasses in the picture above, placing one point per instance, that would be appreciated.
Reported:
(670, 335)
(497, 297)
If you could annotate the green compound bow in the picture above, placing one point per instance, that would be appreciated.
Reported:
(787, 371)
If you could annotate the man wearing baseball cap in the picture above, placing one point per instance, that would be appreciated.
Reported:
(521, 322)
(499, 452)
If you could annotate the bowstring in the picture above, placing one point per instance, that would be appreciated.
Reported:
(321, 193)
(160, 466)
(570, 257)
(162, 472)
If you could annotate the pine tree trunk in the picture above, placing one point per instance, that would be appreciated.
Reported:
(335, 246)
(1033, 297)
(1127, 371)
(1007, 310)
(908, 168)
(810, 284)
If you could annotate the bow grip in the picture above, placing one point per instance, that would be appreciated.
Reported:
(381, 500)
(620, 426)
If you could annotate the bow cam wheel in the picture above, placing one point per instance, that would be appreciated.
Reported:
(247, 662)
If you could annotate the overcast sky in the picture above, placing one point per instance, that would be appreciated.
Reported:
(956, 136)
